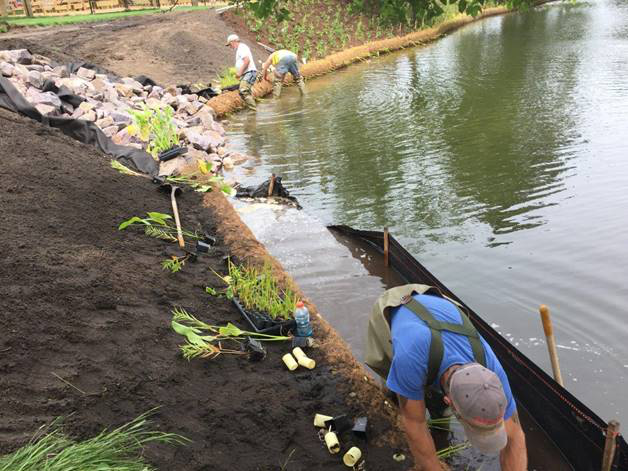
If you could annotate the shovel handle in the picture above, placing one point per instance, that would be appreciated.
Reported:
(175, 210)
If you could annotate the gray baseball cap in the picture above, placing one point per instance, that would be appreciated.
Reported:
(480, 403)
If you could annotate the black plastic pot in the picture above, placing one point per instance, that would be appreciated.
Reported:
(172, 153)
(255, 348)
(202, 247)
(359, 427)
(263, 324)
(339, 424)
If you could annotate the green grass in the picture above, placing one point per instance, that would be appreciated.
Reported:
(86, 18)
(116, 450)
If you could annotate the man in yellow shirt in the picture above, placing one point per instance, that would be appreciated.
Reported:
(283, 61)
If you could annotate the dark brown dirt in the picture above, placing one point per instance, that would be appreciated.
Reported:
(171, 48)
(92, 305)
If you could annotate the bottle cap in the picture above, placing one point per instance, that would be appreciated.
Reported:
(300, 304)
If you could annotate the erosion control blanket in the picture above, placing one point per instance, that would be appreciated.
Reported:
(83, 131)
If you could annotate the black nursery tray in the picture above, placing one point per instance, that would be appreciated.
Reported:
(263, 324)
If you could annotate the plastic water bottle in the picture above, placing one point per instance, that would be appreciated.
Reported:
(302, 316)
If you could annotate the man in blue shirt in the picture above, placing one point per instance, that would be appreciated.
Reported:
(478, 394)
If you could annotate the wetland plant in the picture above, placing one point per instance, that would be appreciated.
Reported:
(258, 290)
(116, 450)
(156, 127)
(157, 225)
(218, 338)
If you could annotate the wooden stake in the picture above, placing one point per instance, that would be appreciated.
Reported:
(175, 210)
(609, 447)
(28, 8)
(386, 261)
(271, 186)
(4, 11)
(551, 342)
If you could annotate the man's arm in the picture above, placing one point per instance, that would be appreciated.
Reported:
(265, 66)
(243, 67)
(418, 435)
(514, 457)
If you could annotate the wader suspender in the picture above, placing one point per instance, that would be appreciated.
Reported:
(436, 345)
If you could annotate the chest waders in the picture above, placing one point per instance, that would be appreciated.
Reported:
(379, 342)
(437, 350)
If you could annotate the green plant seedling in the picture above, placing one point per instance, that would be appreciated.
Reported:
(173, 264)
(215, 344)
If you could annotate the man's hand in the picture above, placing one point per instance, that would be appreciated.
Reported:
(514, 457)
(418, 434)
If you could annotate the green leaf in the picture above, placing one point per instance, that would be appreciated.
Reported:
(211, 291)
(191, 334)
(128, 222)
(230, 330)
(203, 188)
(462, 6)
(159, 218)
(184, 329)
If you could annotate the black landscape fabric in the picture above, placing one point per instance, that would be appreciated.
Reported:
(261, 191)
(575, 429)
(83, 131)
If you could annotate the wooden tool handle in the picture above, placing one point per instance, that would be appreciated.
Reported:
(551, 343)
(175, 210)
(545, 318)
(609, 446)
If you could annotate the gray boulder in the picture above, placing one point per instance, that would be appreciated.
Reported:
(35, 79)
(87, 74)
(21, 56)
(6, 69)
(46, 110)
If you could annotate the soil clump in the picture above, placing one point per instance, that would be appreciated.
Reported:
(92, 305)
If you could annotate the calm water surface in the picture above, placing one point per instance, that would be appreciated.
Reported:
(498, 156)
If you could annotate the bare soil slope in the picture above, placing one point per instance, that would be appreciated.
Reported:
(171, 48)
(91, 304)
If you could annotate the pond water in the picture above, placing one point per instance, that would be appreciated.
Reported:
(498, 156)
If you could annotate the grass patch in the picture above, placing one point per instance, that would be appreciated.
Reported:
(86, 18)
(116, 450)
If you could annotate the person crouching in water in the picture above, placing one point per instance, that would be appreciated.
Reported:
(245, 69)
(283, 61)
(430, 354)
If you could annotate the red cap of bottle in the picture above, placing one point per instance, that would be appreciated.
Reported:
(300, 304)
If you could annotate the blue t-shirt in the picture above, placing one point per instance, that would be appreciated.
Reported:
(411, 338)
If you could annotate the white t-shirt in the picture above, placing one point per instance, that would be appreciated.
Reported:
(242, 52)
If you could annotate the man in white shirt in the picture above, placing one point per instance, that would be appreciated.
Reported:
(245, 69)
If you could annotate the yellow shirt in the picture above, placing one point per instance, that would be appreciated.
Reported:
(276, 56)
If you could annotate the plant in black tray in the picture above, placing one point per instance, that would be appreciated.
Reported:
(226, 339)
(156, 127)
(257, 292)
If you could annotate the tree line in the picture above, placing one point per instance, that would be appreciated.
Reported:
(412, 13)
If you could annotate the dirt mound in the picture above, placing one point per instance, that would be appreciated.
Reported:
(87, 303)
(171, 48)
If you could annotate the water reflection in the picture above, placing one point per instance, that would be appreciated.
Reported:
(497, 158)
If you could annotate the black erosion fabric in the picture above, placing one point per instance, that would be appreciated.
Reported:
(81, 130)
(261, 191)
(576, 430)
